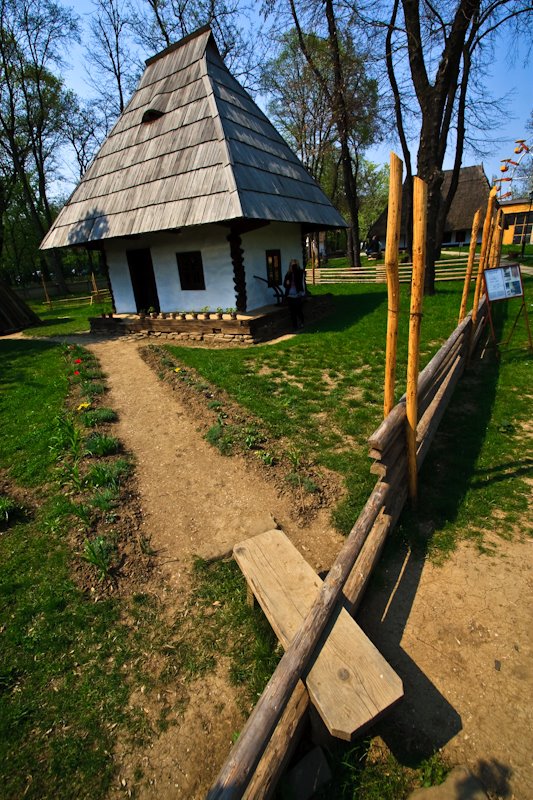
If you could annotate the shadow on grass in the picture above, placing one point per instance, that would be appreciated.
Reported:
(425, 721)
(351, 304)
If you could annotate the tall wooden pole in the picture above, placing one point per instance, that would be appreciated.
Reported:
(415, 319)
(46, 296)
(470, 264)
(392, 244)
(485, 242)
(496, 243)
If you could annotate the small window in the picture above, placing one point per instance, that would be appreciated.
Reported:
(191, 271)
(460, 237)
(273, 264)
(152, 114)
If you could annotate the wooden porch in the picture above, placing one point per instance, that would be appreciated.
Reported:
(260, 325)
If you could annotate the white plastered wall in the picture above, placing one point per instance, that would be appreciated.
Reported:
(282, 236)
(218, 270)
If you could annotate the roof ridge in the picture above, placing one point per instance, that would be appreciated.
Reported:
(186, 39)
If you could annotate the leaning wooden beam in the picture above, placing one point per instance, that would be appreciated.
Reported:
(470, 264)
(387, 429)
(246, 753)
(392, 244)
(280, 747)
(430, 423)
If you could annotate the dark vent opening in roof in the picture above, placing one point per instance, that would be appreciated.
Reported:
(152, 114)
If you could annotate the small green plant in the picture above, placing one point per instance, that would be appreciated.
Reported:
(8, 508)
(67, 437)
(266, 457)
(221, 437)
(294, 458)
(105, 499)
(253, 438)
(93, 374)
(215, 405)
(109, 475)
(99, 552)
(98, 444)
(92, 389)
(82, 511)
(98, 416)
(69, 475)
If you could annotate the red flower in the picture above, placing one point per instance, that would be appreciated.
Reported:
(78, 361)
(76, 372)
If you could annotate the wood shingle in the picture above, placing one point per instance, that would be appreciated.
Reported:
(204, 153)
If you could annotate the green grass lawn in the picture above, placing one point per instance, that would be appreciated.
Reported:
(320, 395)
(65, 318)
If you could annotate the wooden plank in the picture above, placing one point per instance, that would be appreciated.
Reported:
(350, 683)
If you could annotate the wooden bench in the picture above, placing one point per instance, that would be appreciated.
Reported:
(350, 683)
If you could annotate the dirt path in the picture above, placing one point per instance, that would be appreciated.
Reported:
(195, 502)
(461, 637)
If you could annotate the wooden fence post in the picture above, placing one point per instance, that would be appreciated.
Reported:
(392, 244)
(413, 357)
(485, 241)
(46, 295)
(496, 243)
(469, 266)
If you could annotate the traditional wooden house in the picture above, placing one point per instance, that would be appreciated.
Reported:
(472, 193)
(194, 198)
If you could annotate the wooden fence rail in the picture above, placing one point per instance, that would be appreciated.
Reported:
(453, 269)
(264, 746)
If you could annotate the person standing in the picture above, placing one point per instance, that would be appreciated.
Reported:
(294, 285)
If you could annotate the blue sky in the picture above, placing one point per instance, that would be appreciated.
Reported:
(508, 77)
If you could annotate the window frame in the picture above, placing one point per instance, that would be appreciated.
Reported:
(191, 262)
(276, 268)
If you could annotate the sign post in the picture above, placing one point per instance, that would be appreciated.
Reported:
(504, 283)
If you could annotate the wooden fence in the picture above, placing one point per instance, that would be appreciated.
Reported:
(398, 448)
(453, 269)
(264, 747)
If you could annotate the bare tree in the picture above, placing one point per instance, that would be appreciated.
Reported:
(446, 46)
(350, 95)
(111, 52)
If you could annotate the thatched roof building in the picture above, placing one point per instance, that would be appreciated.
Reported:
(15, 315)
(190, 150)
(472, 193)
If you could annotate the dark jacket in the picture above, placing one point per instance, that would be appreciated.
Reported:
(298, 280)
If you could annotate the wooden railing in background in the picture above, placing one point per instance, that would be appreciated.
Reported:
(453, 269)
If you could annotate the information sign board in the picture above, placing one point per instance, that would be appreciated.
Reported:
(503, 283)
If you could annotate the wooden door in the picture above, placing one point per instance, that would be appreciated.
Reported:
(143, 279)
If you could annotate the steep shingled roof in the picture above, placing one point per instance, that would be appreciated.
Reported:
(190, 148)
